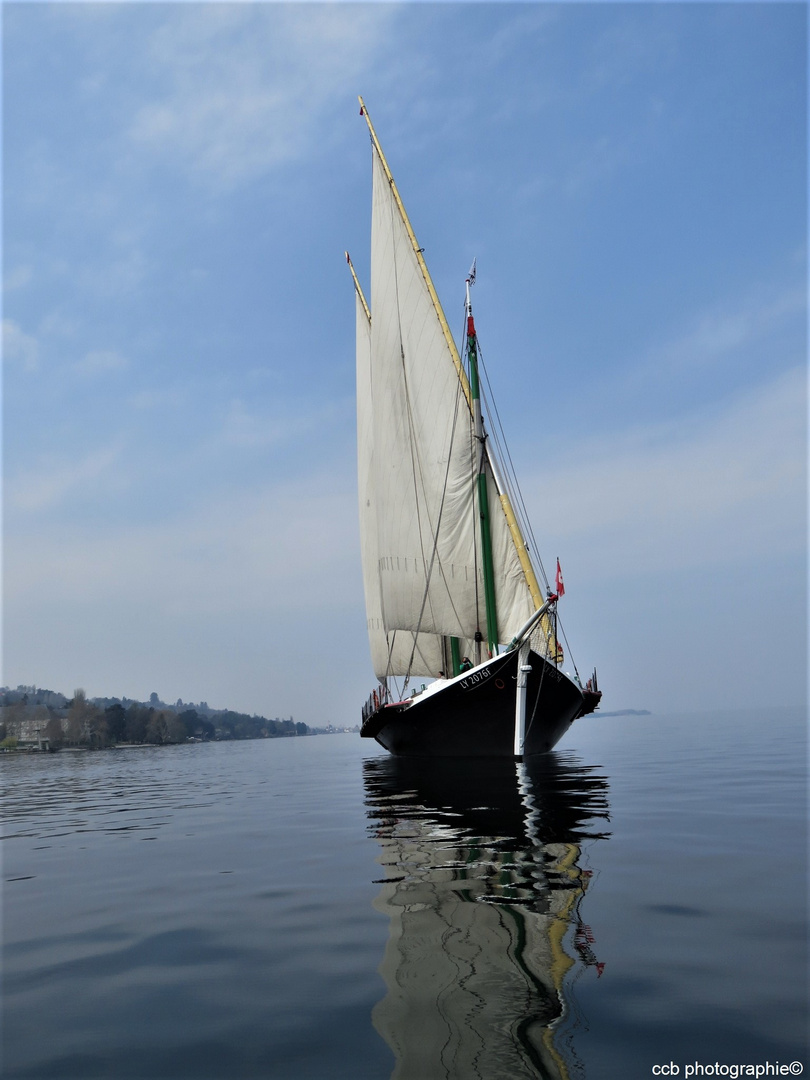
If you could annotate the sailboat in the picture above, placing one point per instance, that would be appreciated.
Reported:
(463, 640)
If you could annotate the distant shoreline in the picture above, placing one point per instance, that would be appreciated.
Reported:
(626, 712)
(33, 717)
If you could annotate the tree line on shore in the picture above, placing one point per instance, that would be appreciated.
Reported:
(82, 722)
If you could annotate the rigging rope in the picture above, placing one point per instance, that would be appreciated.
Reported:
(515, 493)
(568, 647)
(513, 485)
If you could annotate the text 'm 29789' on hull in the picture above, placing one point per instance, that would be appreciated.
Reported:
(452, 594)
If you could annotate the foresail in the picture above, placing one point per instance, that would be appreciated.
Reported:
(392, 652)
(514, 601)
(365, 484)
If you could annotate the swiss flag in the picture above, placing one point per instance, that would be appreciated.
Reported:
(559, 582)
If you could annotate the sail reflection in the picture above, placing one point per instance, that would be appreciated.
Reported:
(483, 886)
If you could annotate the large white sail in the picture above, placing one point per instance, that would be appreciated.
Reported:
(422, 451)
(365, 488)
(391, 653)
(421, 468)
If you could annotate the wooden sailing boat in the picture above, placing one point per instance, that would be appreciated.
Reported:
(451, 591)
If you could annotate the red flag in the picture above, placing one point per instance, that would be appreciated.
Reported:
(559, 582)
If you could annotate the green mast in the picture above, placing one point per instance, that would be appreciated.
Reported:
(483, 497)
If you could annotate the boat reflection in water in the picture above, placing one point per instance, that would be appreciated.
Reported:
(483, 886)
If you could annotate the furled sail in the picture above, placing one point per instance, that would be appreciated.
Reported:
(417, 462)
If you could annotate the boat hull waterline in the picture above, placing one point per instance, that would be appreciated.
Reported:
(473, 715)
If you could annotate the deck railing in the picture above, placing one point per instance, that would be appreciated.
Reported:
(376, 700)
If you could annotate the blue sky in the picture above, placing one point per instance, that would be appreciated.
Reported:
(180, 183)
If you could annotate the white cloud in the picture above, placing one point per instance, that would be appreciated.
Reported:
(58, 479)
(726, 487)
(100, 362)
(19, 347)
(726, 330)
(245, 427)
(246, 85)
(171, 397)
(17, 278)
(60, 322)
(272, 550)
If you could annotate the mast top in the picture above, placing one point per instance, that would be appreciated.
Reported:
(417, 250)
(468, 303)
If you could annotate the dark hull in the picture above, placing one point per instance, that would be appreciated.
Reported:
(474, 715)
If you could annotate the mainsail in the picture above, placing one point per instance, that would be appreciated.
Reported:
(418, 460)
(390, 653)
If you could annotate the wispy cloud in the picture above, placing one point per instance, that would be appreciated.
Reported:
(258, 550)
(18, 347)
(242, 427)
(166, 397)
(123, 268)
(100, 362)
(17, 278)
(243, 86)
(250, 427)
(727, 329)
(725, 487)
(56, 479)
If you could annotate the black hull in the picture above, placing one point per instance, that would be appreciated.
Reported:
(474, 714)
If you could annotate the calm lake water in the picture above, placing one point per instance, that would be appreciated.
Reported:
(312, 908)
